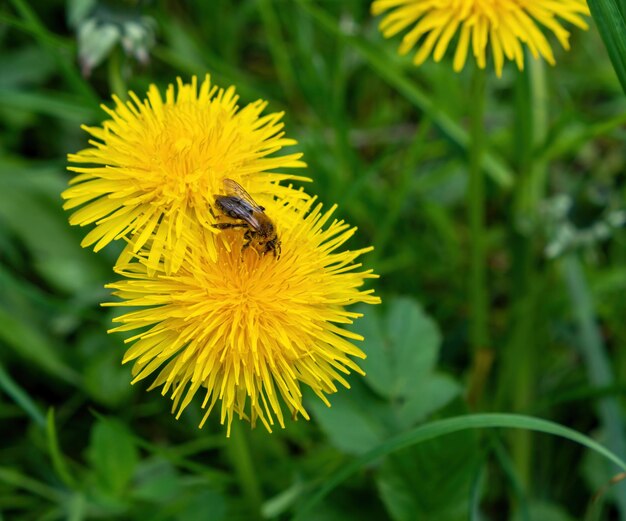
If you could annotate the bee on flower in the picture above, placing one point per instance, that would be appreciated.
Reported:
(260, 231)
(248, 330)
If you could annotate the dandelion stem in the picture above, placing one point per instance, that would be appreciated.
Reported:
(478, 294)
(239, 452)
(526, 331)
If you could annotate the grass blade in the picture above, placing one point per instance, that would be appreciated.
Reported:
(439, 428)
(14, 478)
(493, 165)
(21, 397)
(58, 461)
(597, 362)
(52, 104)
(47, 40)
(612, 27)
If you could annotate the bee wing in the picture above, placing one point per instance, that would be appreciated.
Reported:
(234, 188)
(238, 208)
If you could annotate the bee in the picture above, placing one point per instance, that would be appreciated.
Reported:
(260, 230)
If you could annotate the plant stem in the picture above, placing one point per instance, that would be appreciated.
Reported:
(239, 453)
(478, 294)
(520, 357)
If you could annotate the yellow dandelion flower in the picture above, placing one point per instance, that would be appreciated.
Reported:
(249, 330)
(152, 169)
(507, 25)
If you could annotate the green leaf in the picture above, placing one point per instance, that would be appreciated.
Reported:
(433, 393)
(401, 349)
(113, 455)
(612, 27)
(377, 365)
(440, 428)
(432, 480)
(355, 422)
(415, 339)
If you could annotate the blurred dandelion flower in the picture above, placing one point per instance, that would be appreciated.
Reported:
(247, 329)
(506, 24)
(153, 168)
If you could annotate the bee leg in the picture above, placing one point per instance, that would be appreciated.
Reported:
(216, 217)
(247, 237)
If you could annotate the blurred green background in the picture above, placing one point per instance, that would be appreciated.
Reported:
(389, 143)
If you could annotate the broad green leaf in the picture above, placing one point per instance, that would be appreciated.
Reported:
(355, 422)
(415, 339)
(377, 367)
(435, 391)
(113, 455)
(432, 480)
(401, 349)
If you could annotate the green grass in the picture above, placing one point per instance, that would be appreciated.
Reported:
(503, 307)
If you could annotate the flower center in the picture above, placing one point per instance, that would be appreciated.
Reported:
(191, 152)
